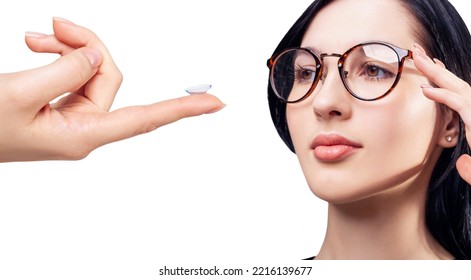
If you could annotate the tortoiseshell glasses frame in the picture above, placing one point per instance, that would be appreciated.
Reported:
(369, 71)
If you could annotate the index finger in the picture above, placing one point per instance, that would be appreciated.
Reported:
(132, 121)
(438, 74)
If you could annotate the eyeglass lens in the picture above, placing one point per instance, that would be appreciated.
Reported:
(368, 72)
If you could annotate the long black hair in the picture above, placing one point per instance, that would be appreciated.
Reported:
(444, 35)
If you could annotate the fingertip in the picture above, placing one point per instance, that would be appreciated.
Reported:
(94, 56)
(419, 48)
(218, 106)
(56, 19)
(439, 62)
(430, 92)
(217, 109)
(34, 35)
(29, 40)
(69, 32)
(33, 38)
(212, 103)
(425, 86)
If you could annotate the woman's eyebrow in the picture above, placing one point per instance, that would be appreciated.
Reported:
(314, 50)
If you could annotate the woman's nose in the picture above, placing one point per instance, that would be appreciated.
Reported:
(330, 98)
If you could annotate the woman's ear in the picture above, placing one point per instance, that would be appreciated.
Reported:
(450, 131)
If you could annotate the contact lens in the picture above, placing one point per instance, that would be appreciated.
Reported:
(198, 89)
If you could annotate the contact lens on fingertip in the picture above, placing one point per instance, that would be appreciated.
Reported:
(203, 88)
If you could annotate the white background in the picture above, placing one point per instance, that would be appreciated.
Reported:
(217, 189)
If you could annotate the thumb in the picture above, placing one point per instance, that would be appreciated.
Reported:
(464, 167)
(37, 87)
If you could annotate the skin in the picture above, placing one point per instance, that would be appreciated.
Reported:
(37, 129)
(376, 194)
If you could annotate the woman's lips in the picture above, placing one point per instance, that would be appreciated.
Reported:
(333, 147)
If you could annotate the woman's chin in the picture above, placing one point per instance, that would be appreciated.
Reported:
(344, 194)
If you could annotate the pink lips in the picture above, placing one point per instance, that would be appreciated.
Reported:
(333, 147)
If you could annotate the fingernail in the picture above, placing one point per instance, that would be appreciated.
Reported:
(419, 48)
(419, 53)
(34, 34)
(217, 109)
(425, 86)
(437, 61)
(59, 19)
(93, 56)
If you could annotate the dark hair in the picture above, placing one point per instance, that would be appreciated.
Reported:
(444, 35)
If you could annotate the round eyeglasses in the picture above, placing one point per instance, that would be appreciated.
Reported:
(369, 71)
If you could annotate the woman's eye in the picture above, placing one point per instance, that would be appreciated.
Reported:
(307, 74)
(304, 75)
(377, 72)
(373, 71)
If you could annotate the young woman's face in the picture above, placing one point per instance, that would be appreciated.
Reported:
(351, 149)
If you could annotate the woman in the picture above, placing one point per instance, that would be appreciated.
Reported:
(378, 126)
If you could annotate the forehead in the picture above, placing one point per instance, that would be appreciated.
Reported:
(345, 23)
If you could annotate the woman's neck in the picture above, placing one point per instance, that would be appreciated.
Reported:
(389, 225)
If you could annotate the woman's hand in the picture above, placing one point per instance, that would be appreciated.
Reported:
(452, 92)
(33, 128)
